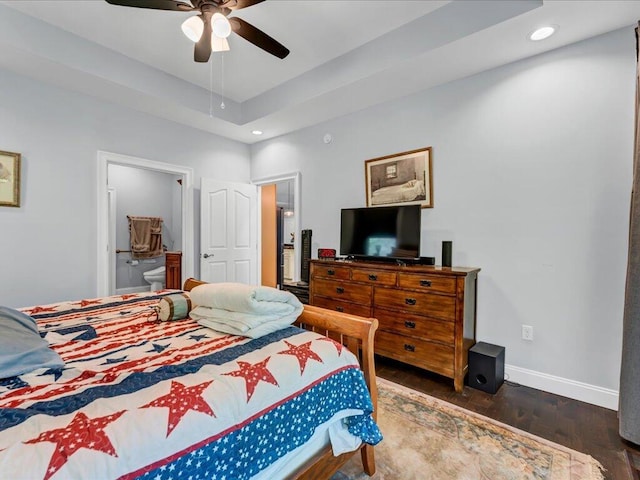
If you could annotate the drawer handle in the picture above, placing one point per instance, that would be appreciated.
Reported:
(373, 278)
(409, 324)
(409, 348)
(339, 289)
(331, 272)
(425, 283)
(339, 309)
(410, 301)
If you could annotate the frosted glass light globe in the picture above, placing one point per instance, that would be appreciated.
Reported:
(193, 27)
(220, 25)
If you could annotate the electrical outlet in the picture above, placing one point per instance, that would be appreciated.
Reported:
(527, 332)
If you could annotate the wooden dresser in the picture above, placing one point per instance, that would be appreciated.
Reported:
(427, 314)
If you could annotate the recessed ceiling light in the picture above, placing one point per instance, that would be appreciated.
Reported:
(542, 33)
(257, 132)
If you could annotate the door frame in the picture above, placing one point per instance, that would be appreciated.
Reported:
(104, 252)
(113, 202)
(297, 180)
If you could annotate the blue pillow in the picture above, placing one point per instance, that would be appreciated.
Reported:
(22, 350)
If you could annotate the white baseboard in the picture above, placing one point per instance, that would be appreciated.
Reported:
(126, 291)
(603, 397)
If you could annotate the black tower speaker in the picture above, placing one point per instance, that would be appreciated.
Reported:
(486, 367)
(306, 256)
(447, 247)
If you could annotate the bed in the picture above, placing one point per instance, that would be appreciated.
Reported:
(141, 398)
(407, 192)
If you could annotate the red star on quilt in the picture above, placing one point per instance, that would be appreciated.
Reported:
(127, 296)
(82, 432)
(84, 303)
(338, 346)
(180, 400)
(35, 310)
(303, 353)
(253, 374)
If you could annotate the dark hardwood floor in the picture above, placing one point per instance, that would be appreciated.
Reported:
(577, 425)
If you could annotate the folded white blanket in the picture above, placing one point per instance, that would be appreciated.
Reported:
(239, 309)
(239, 297)
(226, 325)
(241, 322)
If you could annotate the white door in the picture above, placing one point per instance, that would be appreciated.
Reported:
(228, 232)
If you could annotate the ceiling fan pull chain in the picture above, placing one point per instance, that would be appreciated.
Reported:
(211, 88)
(222, 79)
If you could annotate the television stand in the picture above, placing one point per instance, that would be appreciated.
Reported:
(427, 314)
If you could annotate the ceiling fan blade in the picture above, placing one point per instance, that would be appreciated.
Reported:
(258, 37)
(238, 4)
(154, 4)
(202, 51)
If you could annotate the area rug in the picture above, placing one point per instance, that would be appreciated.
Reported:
(429, 439)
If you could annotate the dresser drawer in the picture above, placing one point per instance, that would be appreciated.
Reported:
(433, 283)
(421, 353)
(434, 305)
(340, 306)
(352, 292)
(331, 271)
(378, 277)
(415, 326)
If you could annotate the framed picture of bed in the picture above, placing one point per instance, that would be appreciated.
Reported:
(9, 179)
(400, 179)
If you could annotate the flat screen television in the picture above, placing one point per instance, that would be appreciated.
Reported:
(384, 233)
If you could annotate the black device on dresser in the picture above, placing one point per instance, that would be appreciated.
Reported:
(381, 233)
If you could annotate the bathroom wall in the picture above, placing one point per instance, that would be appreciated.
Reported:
(289, 229)
(176, 215)
(285, 195)
(143, 193)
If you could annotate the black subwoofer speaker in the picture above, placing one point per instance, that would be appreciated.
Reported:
(486, 367)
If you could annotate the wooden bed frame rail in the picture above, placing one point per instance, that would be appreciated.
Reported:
(357, 334)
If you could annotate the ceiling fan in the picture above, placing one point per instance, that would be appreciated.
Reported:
(211, 27)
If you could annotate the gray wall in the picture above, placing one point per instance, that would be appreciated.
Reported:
(531, 177)
(48, 246)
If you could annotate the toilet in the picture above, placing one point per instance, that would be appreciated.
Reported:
(155, 278)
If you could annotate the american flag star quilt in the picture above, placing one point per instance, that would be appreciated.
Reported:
(140, 398)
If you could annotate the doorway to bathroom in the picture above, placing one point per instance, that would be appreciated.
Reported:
(140, 197)
(130, 186)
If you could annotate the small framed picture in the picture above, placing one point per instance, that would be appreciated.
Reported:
(9, 179)
(400, 179)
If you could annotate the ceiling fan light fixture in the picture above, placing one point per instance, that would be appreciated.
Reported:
(193, 27)
(219, 44)
(220, 25)
(212, 23)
